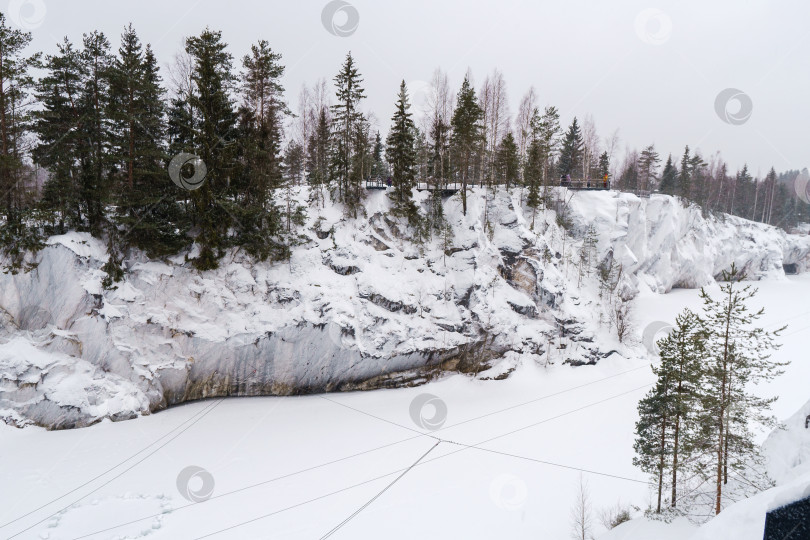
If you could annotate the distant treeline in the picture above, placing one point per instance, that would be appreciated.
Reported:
(98, 143)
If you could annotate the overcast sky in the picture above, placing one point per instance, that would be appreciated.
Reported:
(653, 70)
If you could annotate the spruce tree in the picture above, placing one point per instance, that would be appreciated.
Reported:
(401, 155)
(95, 128)
(669, 178)
(604, 166)
(685, 177)
(378, 169)
(146, 209)
(74, 132)
(571, 152)
(213, 142)
(348, 134)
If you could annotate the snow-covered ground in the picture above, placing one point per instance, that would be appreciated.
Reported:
(361, 306)
(295, 467)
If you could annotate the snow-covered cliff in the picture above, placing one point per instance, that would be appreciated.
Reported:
(360, 305)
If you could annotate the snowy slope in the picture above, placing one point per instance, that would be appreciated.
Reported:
(359, 305)
(295, 467)
(787, 453)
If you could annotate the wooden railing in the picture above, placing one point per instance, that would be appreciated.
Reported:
(376, 183)
(585, 184)
(441, 186)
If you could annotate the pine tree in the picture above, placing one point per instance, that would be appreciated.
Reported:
(648, 162)
(212, 76)
(261, 116)
(682, 354)
(262, 96)
(572, 148)
(669, 178)
(401, 155)
(738, 360)
(548, 130)
(466, 137)
(698, 179)
(348, 135)
(667, 413)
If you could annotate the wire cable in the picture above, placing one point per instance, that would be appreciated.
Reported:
(375, 497)
(209, 409)
(420, 462)
(395, 443)
(102, 473)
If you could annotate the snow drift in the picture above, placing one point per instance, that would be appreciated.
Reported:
(360, 305)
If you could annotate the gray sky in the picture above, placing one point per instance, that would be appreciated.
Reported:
(651, 69)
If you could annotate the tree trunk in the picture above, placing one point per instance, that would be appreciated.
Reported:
(661, 463)
(675, 441)
(721, 417)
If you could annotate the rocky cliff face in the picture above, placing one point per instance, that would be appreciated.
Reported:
(360, 305)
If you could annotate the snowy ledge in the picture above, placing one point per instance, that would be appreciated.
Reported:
(358, 306)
